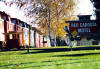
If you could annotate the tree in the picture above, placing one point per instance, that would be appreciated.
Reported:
(41, 10)
(96, 4)
(59, 9)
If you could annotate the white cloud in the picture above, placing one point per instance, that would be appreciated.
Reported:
(3, 7)
(86, 7)
(12, 10)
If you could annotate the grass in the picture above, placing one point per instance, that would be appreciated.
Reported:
(51, 58)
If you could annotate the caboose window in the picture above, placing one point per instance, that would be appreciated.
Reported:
(24, 25)
(4, 17)
(21, 24)
(27, 26)
(11, 36)
(13, 21)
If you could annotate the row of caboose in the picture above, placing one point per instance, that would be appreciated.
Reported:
(15, 33)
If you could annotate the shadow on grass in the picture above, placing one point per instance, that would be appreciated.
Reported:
(15, 64)
(59, 64)
(76, 55)
(50, 50)
(60, 60)
(77, 62)
(66, 60)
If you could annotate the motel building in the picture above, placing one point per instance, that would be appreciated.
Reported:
(84, 31)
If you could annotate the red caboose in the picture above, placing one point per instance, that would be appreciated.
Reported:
(4, 28)
(12, 41)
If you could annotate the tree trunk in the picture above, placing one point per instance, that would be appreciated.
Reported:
(50, 33)
(55, 40)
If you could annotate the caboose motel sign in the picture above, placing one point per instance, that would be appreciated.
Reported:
(84, 25)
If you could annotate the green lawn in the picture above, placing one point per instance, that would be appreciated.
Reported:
(50, 58)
